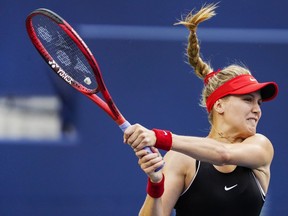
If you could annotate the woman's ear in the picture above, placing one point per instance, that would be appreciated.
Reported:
(219, 106)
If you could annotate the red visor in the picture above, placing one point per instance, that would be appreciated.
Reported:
(243, 84)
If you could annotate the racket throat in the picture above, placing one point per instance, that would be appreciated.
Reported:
(112, 111)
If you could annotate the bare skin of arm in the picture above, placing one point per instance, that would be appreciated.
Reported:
(255, 152)
(178, 171)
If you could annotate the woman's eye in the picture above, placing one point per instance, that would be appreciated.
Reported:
(248, 99)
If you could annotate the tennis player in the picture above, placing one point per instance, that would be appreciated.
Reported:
(226, 173)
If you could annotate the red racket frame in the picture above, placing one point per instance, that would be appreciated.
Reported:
(107, 104)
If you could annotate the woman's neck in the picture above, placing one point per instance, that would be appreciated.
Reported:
(223, 135)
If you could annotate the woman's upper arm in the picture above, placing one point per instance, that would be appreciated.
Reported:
(176, 166)
(254, 152)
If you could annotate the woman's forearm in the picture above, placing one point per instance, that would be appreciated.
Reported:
(201, 148)
(152, 207)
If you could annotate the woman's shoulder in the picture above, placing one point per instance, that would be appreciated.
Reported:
(178, 160)
(259, 138)
(173, 155)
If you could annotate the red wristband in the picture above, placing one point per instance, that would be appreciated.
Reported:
(155, 190)
(163, 139)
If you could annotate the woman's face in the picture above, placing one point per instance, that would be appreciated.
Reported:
(242, 113)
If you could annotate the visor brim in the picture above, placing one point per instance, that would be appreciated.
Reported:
(268, 90)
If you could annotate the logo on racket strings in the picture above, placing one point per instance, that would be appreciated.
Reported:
(60, 72)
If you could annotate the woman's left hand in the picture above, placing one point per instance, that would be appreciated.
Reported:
(139, 137)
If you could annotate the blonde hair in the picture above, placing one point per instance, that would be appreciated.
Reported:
(202, 68)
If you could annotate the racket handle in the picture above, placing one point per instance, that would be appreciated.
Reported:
(124, 126)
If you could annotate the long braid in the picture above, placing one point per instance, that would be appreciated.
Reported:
(202, 68)
(193, 50)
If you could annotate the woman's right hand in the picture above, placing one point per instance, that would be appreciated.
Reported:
(149, 162)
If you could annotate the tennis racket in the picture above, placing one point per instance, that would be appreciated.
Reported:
(70, 58)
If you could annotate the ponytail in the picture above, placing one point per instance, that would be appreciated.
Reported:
(191, 22)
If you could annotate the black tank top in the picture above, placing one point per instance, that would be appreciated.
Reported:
(213, 193)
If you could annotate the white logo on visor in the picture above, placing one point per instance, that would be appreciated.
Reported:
(253, 79)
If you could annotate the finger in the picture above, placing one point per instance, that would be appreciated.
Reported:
(155, 150)
(129, 132)
(141, 141)
(133, 133)
(140, 154)
(152, 165)
(149, 159)
(144, 140)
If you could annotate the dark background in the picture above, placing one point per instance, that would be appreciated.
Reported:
(95, 173)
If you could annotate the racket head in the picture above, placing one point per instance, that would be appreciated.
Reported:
(68, 55)
(64, 50)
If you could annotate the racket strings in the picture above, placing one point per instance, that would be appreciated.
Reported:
(64, 52)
